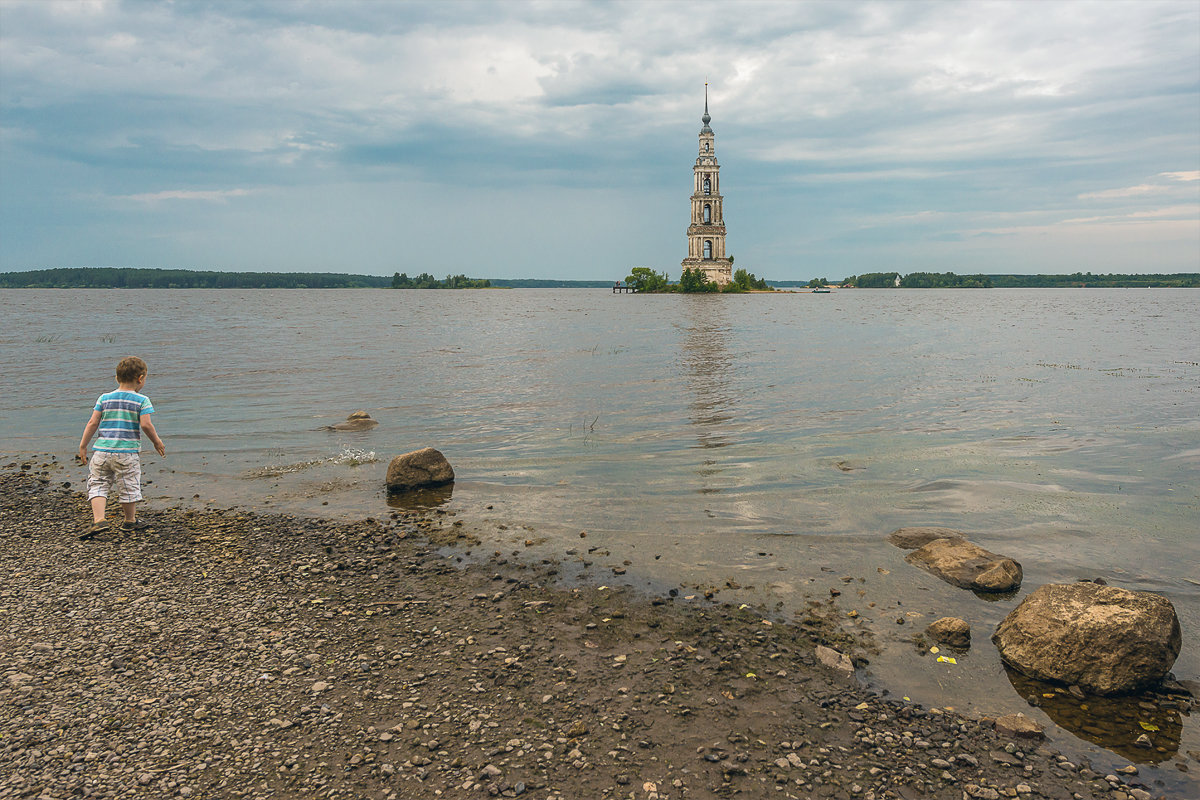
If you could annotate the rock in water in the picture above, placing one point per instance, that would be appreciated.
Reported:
(1104, 639)
(912, 538)
(961, 563)
(358, 421)
(418, 469)
(950, 631)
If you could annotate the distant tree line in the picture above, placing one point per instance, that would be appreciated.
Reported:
(1181, 279)
(135, 278)
(426, 281)
(949, 280)
(693, 281)
(872, 280)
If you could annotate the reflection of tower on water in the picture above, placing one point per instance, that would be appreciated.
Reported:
(709, 366)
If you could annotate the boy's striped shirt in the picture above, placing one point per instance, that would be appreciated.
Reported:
(121, 421)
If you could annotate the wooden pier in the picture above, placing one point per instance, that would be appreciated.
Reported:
(620, 288)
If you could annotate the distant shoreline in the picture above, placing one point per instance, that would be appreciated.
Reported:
(134, 278)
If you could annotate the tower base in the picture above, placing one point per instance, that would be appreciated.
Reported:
(717, 270)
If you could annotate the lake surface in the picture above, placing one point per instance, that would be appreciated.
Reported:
(767, 442)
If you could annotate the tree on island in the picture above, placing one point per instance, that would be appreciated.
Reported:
(744, 281)
(644, 279)
(694, 281)
(817, 283)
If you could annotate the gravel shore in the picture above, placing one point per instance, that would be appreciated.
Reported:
(224, 654)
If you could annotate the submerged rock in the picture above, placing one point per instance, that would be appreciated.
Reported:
(1104, 639)
(967, 565)
(358, 421)
(418, 469)
(950, 631)
(912, 538)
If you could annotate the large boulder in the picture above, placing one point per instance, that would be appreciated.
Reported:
(967, 565)
(1104, 639)
(912, 538)
(418, 469)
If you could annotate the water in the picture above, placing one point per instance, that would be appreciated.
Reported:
(762, 442)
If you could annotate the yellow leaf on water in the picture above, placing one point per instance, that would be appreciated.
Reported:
(934, 650)
(861, 707)
(1047, 694)
(946, 659)
(752, 675)
(1147, 726)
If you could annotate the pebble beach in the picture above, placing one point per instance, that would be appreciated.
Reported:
(220, 653)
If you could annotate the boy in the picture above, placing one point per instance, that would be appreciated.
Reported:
(120, 417)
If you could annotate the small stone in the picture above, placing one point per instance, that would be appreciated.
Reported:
(950, 631)
(319, 686)
(834, 660)
(1019, 726)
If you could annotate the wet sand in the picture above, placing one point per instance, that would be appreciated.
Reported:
(230, 654)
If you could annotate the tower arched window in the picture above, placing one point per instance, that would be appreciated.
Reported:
(707, 213)
(708, 248)
(707, 185)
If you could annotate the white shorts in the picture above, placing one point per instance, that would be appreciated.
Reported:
(120, 470)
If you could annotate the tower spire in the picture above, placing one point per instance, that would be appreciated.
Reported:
(706, 118)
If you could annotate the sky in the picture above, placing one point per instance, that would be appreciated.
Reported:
(557, 139)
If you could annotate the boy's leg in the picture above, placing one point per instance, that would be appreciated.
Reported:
(98, 506)
(99, 484)
(129, 486)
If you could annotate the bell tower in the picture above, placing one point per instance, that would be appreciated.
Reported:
(706, 234)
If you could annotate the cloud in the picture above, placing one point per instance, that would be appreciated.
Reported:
(1146, 188)
(208, 196)
(1128, 191)
(1186, 214)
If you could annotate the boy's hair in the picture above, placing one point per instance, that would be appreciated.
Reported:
(130, 369)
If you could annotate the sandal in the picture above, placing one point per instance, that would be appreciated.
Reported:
(97, 527)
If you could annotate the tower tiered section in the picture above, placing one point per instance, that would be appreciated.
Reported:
(706, 234)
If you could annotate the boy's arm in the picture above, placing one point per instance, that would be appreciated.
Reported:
(152, 435)
(89, 431)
